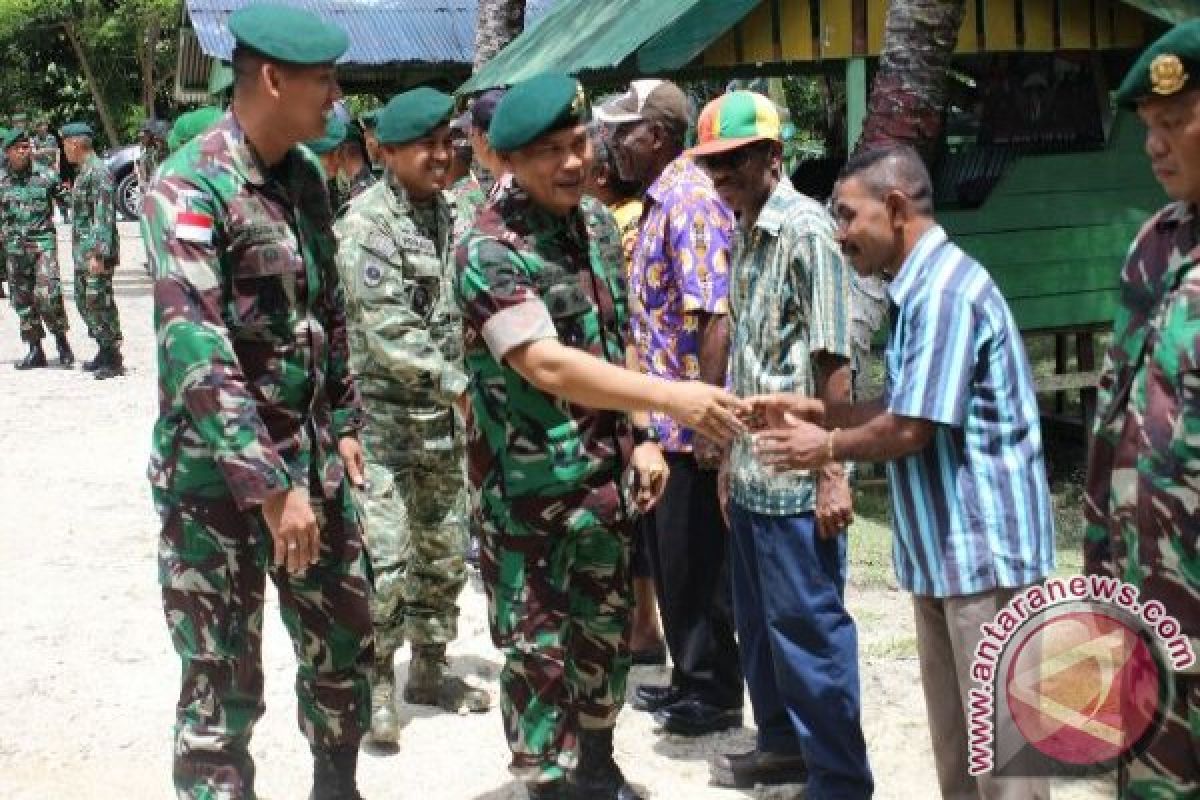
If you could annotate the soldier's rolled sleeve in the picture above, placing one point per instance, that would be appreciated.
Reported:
(347, 416)
(500, 300)
(196, 360)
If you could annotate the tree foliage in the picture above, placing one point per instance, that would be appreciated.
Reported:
(107, 62)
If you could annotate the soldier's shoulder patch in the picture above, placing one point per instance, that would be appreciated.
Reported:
(372, 274)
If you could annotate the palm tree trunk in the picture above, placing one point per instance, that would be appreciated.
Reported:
(110, 130)
(908, 99)
(499, 22)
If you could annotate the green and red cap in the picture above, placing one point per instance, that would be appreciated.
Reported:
(736, 119)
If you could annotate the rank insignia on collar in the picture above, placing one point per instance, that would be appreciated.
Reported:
(1167, 75)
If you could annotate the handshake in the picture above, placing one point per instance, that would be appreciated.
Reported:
(786, 427)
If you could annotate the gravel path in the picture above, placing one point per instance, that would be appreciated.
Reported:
(86, 698)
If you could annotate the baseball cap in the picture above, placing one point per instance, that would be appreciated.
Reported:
(650, 99)
(736, 119)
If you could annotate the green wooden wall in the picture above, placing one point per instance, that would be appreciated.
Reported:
(1055, 230)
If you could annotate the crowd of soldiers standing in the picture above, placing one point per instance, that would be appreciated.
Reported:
(32, 194)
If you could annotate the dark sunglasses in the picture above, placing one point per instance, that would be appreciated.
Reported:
(730, 160)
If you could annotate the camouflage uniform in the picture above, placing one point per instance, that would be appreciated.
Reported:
(26, 216)
(359, 183)
(148, 160)
(556, 537)
(1143, 494)
(254, 390)
(94, 233)
(471, 194)
(406, 355)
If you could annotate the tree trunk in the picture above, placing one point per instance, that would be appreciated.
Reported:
(499, 22)
(110, 130)
(146, 64)
(909, 97)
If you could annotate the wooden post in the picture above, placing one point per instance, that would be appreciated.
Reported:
(1060, 368)
(1085, 355)
(856, 100)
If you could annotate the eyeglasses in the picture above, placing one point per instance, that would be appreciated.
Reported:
(730, 160)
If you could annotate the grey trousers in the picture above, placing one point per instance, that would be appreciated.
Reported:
(947, 634)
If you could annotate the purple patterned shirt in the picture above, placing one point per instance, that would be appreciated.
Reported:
(680, 267)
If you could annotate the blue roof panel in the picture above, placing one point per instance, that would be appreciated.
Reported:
(381, 31)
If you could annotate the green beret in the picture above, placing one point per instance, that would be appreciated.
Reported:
(77, 129)
(534, 107)
(13, 136)
(190, 125)
(288, 34)
(413, 114)
(335, 134)
(1167, 67)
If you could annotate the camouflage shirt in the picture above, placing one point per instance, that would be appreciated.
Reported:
(27, 208)
(364, 180)
(525, 274)
(1143, 493)
(93, 214)
(471, 194)
(45, 149)
(253, 360)
(149, 157)
(405, 330)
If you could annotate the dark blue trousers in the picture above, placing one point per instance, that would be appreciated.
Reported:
(799, 648)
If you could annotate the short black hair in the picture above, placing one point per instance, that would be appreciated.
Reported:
(245, 64)
(896, 167)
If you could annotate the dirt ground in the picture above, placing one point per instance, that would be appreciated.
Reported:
(87, 694)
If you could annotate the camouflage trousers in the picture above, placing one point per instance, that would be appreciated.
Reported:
(559, 609)
(1169, 767)
(37, 293)
(416, 537)
(213, 563)
(97, 306)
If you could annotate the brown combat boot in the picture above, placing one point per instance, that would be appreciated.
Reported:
(430, 685)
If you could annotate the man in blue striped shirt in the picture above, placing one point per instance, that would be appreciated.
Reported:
(958, 426)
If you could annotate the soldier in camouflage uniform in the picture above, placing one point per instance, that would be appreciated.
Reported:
(153, 152)
(472, 191)
(94, 249)
(27, 196)
(258, 419)
(540, 283)
(1143, 493)
(395, 256)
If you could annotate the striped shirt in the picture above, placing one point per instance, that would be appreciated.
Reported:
(972, 509)
(790, 297)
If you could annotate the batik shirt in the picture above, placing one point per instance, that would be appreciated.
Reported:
(27, 202)
(524, 274)
(790, 296)
(1143, 493)
(628, 214)
(93, 214)
(396, 264)
(253, 362)
(680, 266)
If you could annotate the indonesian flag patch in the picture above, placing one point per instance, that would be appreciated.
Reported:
(191, 226)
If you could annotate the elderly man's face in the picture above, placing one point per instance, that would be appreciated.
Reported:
(866, 228)
(744, 176)
(1173, 143)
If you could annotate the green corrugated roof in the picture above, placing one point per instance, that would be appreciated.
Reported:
(1173, 11)
(579, 36)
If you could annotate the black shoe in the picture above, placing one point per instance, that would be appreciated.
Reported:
(548, 791)
(112, 366)
(34, 357)
(654, 698)
(334, 774)
(65, 357)
(697, 718)
(655, 657)
(91, 364)
(598, 777)
(757, 768)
